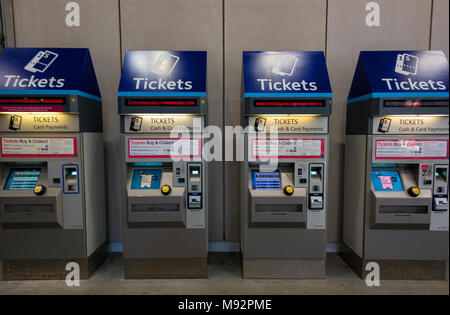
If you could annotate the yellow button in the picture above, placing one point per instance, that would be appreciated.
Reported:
(289, 190)
(165, 189)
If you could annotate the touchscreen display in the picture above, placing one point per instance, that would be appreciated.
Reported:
(146, 178)
(265, 180)
(386, 181)
(22, 179)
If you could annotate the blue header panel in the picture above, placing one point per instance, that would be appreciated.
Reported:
(412, 74)
(164, 73)
(285, 74)
(48, 71)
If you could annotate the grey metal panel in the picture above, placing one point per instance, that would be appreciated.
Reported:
(185, 25)
(8, 22)
(261, 25)
(94, 183)
(440, 26)
(405, 24)
(353, 212)
(42, 23)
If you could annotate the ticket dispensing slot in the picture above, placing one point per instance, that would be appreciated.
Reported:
(27, 200)
(396, 199)
(440, 191)
(154, 195)
(273, 198)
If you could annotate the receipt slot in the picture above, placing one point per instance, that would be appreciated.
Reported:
(284, 202)
(52, 192)
(164, 175)
(397, 149)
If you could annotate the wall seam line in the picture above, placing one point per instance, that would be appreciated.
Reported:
(120, 32)
(326, 29)
(431, 24)
(223, 123)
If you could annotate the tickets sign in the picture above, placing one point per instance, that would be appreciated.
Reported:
(39, 122)
(410, 125)
(161, 123)
(290, 124)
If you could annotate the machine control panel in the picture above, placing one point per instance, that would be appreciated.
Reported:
(194, 185)
(425, 176)
(301, 174)
(179, 174)
(71, 179)
(316, 186)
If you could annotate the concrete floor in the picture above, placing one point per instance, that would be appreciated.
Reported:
(224, 278)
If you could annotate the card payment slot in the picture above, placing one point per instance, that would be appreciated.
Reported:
(71, 182)
(440, 191)
(316, 187)
(194, 186)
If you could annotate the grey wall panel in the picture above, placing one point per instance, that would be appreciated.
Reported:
(440, 26)
(185, 25)
(42, 23)
(8, 22)
(405, 24)
(261, 25)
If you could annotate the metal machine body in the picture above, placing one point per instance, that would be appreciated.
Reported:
(164, 177)
(284, 204)
(396, 184)
(52, 190)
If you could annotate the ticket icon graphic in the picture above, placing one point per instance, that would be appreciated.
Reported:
(165, 64)
(406, 64)
(284, 65)
(41, 61)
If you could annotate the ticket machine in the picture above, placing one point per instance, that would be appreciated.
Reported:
(52, 192)
(162, 103)
(396, 172)
(284, 192)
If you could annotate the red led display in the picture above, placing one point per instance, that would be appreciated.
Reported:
(33, 101)
(285, 103)
(416, 103)
(161, 102)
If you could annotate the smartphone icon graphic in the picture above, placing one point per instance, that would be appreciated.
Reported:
(41, 61)
(136, 123)
(165, 63)
(260, 124)
(15, 122)
(284, 65)
(385, 124)
(406, 64)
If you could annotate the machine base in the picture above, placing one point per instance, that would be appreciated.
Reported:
(170, 268)
(399, 269)
(51, 269)
(283, 268)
